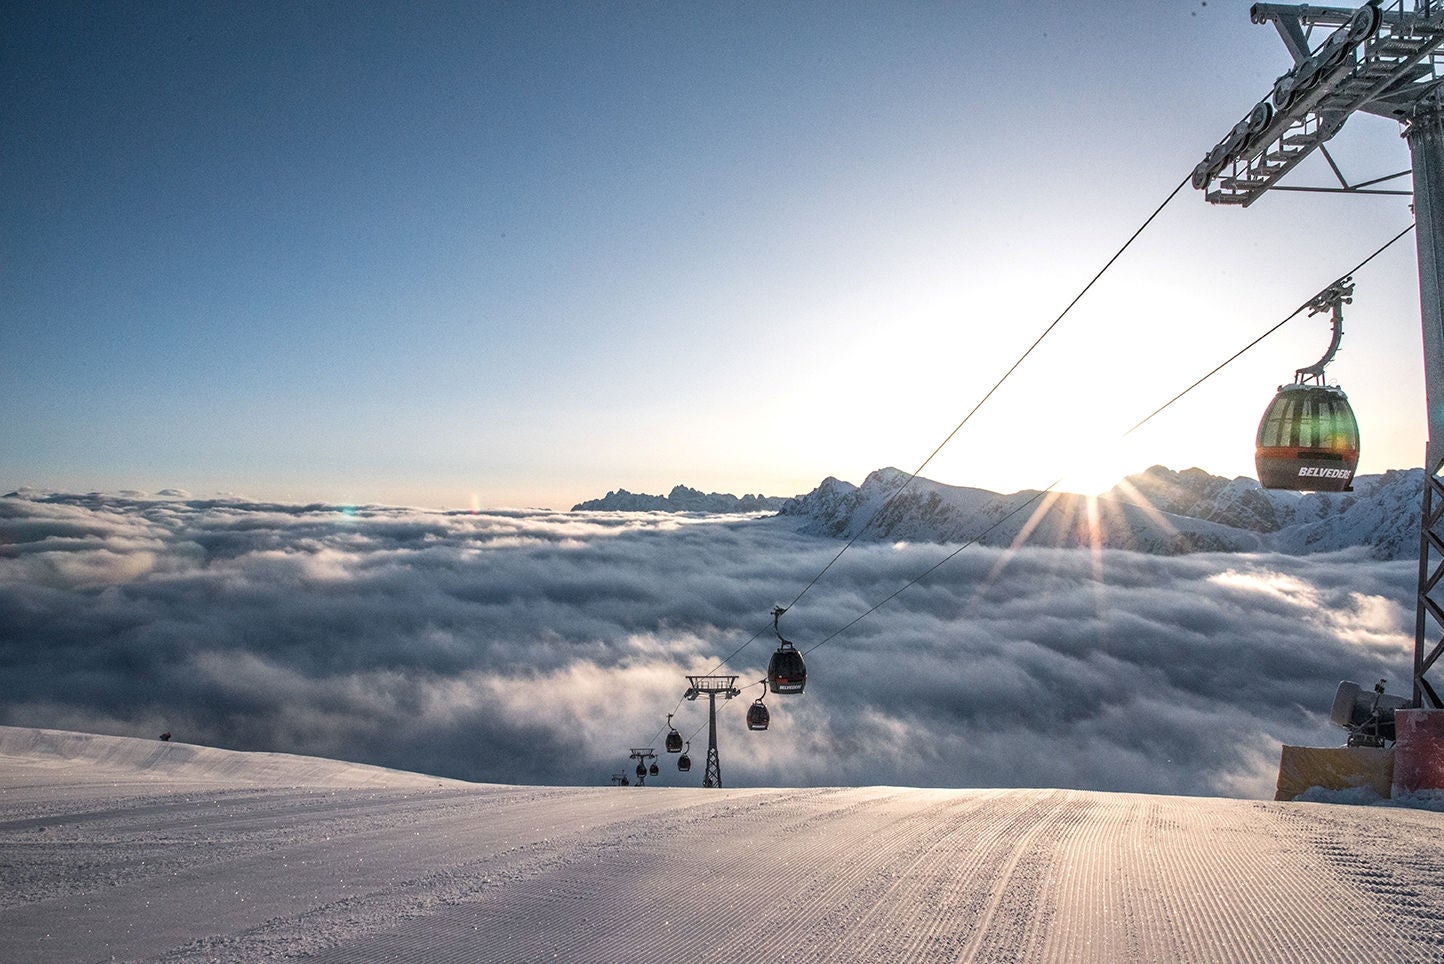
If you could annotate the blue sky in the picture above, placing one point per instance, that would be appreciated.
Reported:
(522, 254)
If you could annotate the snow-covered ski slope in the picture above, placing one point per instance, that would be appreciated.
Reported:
(85, 761)
(114, 849)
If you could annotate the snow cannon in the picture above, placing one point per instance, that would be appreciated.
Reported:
(1367, 763)
(1369, 717)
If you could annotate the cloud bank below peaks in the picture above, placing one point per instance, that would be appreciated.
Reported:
(538, 647)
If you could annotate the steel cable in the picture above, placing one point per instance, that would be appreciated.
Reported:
(1033, 499)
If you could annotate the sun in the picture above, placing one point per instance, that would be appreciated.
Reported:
(1085, 479)
(1091, 467)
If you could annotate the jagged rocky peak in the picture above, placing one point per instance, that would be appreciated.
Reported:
(1164, 488)
(682, 498)
(888, 478)
(1241, 502)
(834, 486)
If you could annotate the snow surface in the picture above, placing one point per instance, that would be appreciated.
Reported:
(123, 849)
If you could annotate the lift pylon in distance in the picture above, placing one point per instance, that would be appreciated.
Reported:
(712, 686)
(1384, 59)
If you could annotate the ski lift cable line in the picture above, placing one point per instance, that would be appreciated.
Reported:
(1038, 495)
(935, 566)
(728, 658)
(1234, 357)
(952, 435)
(1358, 267)
(989, 394)
(656, 737)
(726, 706)
(703, 725)
(966, 418)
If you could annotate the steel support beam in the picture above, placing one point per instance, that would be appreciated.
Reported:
(712, 687)
(712, 777)
(1425, 134)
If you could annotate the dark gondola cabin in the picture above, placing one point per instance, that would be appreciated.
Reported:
(1308, 440)
(757, 716)
(654, 769)
(684, 762)
(786, 672)
(674, 739)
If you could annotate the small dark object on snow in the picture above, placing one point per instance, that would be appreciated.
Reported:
(165, 735)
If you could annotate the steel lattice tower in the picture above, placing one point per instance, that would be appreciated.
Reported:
(1426, 147)
(1388, 60)
(712, 687)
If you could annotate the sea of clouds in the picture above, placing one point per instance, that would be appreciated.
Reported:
(540, 647)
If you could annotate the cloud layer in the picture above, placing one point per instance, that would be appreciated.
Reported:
(539, 647)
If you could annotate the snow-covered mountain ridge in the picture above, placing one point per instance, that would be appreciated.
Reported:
(1156, 511)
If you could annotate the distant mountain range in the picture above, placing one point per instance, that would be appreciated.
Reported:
(681, 499)
(1158, 511)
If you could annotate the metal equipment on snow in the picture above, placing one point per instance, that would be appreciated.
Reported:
(1369, 719)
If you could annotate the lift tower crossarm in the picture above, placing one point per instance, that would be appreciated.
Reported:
(1394, 25)
(1379, 61)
